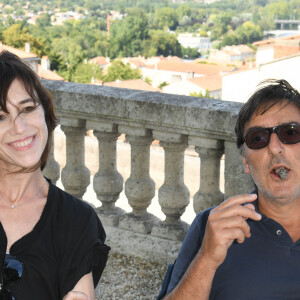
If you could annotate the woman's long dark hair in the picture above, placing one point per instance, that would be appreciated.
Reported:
(11, 68)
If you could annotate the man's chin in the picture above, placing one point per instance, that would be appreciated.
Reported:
(281, 199)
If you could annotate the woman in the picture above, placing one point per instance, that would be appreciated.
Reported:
(51, 244)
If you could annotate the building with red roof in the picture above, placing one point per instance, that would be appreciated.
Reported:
(175, 71)
(211, 84)
(271, 49)
(100, 61)
(135, 84)
(32, 60)
(232, 53)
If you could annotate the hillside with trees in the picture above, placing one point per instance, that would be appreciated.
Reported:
(147, 28)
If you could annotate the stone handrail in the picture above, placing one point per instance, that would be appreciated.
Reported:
(176, 121)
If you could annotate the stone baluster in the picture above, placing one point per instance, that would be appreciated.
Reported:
(173, 195)
(139, 187)
(210, 152)
(236, 181)
(75, 176)
(108, 182)
(52, 168)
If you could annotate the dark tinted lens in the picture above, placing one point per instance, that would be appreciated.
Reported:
(257, 138)
(13, 269)
(289, 134)
(6, 295)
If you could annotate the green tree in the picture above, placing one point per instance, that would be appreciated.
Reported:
(162, 43)
(183, 10)
(165, 18)
(163, 84)
(185, 21)
(295, 9)
(85, 72)
(148, 80)
(221, 24)
(245, 34)
(248, 33)
(230, 38)
(56, 61)
(16, 36)
(2, 28)
(201, 95)
(127, 35)
(279, 10)
(43, 20)
(120, 71)
(92, 5)
(10, 21)
(190, 52)
(39, 45)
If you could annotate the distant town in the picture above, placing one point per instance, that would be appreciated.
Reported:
(198, 53)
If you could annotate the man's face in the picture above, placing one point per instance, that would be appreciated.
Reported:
(262, 163)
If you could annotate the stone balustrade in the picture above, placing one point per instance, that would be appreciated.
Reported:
(177, 122)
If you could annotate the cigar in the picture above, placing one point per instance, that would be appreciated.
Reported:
(282, 173)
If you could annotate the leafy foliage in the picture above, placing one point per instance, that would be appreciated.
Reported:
(127, 35)
(244, 34)
(201, 95)
(190, 52)
(147, 28)
(17, 35)
(163, 84)
(120, 71)
(85, 72)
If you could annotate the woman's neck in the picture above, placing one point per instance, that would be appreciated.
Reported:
(17, 187)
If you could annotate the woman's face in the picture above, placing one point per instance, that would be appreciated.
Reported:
(23, 130)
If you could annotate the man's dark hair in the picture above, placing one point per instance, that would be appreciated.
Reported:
(11, 68)
(270, 93)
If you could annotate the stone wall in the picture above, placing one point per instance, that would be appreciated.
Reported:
(178, 122)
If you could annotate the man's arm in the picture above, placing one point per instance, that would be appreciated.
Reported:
(226, 223)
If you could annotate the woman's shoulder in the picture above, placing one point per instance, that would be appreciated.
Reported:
(72, 217)
(68, 207)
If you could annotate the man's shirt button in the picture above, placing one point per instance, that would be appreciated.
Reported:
(279, 232)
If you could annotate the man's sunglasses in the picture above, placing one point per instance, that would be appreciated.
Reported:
(258, 138)
(11, 273)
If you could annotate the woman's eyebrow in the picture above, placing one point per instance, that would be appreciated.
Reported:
(26, 101)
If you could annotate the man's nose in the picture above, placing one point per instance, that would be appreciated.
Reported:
(275, 146)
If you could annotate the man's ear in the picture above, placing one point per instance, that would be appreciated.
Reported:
(246, 166)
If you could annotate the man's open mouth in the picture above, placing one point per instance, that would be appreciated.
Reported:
(281, 172)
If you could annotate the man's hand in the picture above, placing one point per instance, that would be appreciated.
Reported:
(76, 296)
(226, 223)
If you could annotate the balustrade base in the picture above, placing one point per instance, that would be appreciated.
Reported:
(175, 232)
(203, 201)
(142, 245)
(138, 223)
(110, 217)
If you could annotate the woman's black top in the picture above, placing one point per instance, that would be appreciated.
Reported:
(66, 243)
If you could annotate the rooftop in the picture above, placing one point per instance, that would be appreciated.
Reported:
(196, 68)
(48, 74)
(273, 41)
(136, 84)
(210, 83)
(100, 60)
(20, 53)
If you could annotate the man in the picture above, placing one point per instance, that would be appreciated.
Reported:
(248, 247)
